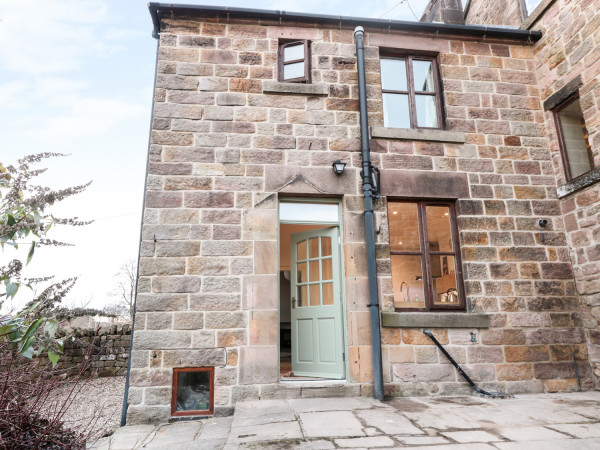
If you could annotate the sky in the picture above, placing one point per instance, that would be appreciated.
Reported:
(76, 77)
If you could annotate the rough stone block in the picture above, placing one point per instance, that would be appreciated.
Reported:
(258, 365)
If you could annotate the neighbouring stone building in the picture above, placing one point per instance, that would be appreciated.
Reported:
(253, 269)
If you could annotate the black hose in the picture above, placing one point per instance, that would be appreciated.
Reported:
(462, 372)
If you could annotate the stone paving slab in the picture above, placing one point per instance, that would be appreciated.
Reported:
(331, 424)
(529, 422)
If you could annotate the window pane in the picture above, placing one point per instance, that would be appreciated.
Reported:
(294, 70)
(308, 212)
(575, 138)
(531, 5)
(302, 296)
(301, 251)
(302, 278)
(315, 295)
(292, 52)
(423, 76)
(426, 111)
(438, 229)
(193, 391)
(328, 294)
(404, 227)
(393, 74)
(325, 246)
(314, 271)
(444, 280)
(395, 111)
(327, 269)
(313, 248)
(407, 281)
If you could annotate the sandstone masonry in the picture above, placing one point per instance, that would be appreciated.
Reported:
(228, 142)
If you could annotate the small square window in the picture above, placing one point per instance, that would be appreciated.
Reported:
(573, 139)
(411, 93)
(425, 256)
(193, 392)
(294, 61)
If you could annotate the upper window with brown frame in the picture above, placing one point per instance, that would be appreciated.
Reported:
(575, 148)
(294, 61)
(425, 256)
(411, 92)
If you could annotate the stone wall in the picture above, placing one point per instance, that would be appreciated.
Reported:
(227, 141)
(568, 53)
(494, 12)
(110, 350)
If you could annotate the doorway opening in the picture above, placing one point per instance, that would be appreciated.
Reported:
(310, 296)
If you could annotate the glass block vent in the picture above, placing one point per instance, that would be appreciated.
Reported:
(193, 391)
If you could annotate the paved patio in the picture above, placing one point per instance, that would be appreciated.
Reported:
(545, 421)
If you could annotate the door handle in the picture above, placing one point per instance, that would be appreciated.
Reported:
(293, 302)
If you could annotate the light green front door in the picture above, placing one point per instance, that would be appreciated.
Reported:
(317, 339)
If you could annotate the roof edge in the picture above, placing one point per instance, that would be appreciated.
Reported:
(477, 31)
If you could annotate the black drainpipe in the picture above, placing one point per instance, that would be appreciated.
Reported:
(126, 394)
(368, 194)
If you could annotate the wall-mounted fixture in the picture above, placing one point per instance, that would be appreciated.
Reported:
(473, 336)
(543, 223)
(338, 167)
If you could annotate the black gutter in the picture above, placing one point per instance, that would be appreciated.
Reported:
(368, 189)
(159, 10)
(126, 394)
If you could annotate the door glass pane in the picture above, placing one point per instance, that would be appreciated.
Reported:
(423, 76)
(395, 111)
(426, 111)
(314, 271)
(313, 248)
(301, 251)
(444, 280)
(302, 296)
(292, 52)
(308, 212)
(393, 74)
(438, 229)
(302, 278)
(315, 294)
(327, 267)
(328, 293)
(404, 227)
(325, 246)
(407, 281)
(294, 70)
(575, 138)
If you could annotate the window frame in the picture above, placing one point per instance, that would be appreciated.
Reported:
(412, 92)
(306, 60)
(425, 254)
(200, 412)
(561, 138)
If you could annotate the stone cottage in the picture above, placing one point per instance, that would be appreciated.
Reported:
(276, 260)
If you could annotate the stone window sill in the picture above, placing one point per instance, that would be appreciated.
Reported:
(579, 183)
(536, 14)
(434, 320)
(276, 87)
(409, 134)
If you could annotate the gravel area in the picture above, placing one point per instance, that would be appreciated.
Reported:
(96, 405)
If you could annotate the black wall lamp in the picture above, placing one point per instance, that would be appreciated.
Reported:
(338, 167)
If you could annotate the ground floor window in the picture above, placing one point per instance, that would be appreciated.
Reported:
(193, 391)
(425, 256)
